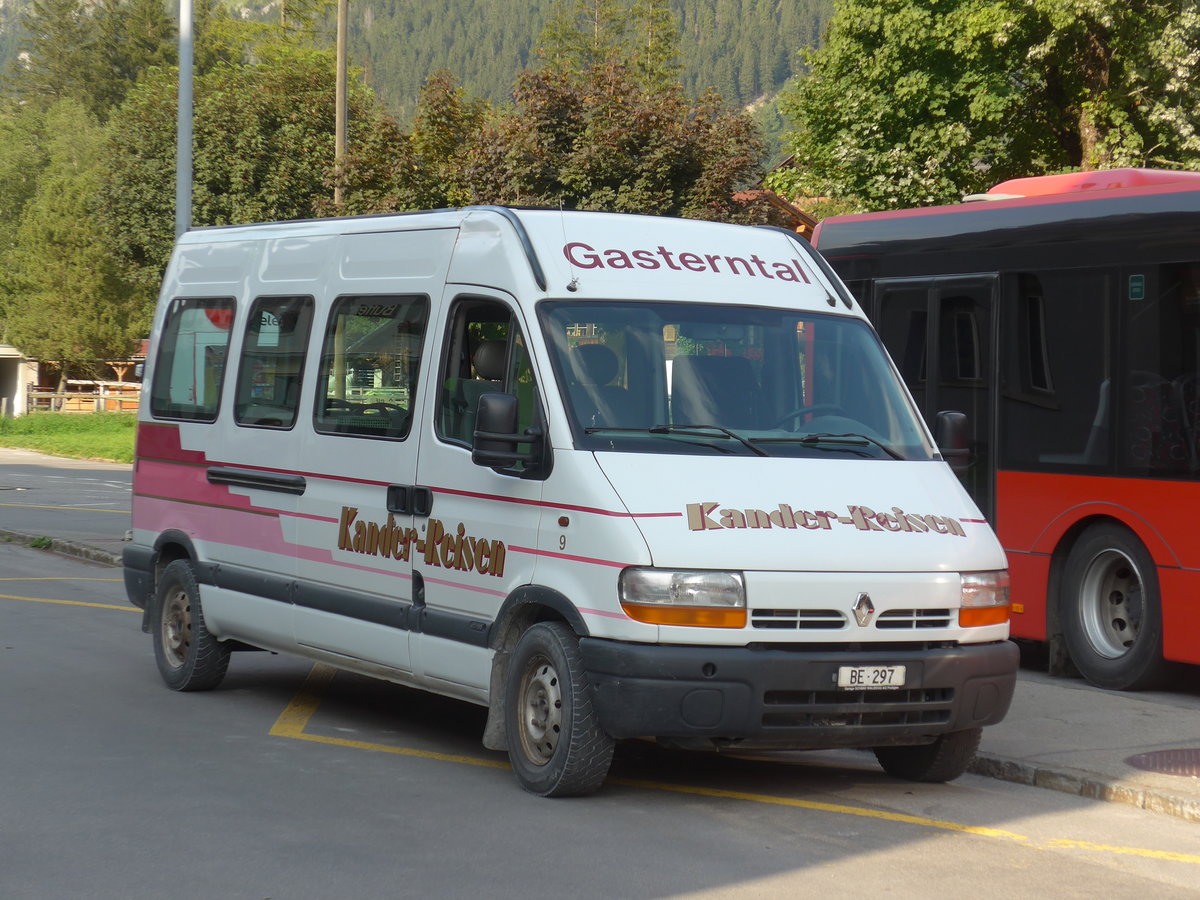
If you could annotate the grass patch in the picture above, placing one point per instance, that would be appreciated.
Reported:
(106, 435)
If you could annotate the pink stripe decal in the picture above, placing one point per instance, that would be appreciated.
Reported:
(458, 585)
(551, 504)
(603, 612)
(583, 559)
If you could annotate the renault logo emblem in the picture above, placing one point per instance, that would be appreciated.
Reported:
(863, 609)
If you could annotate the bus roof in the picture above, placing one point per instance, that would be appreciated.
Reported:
(1060, 219)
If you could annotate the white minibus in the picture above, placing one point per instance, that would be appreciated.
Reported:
(607, 476)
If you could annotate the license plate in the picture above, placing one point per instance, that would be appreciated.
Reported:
(865, 678)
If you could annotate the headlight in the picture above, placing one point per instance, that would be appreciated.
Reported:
(984, 599)
(702, 598)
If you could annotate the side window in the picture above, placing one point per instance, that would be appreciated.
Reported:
(1056, 401)
(272, 364)
(485, 353)
(369, 364)
(190, 368)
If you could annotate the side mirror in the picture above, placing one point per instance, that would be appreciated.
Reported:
(951, 435)
(497, 437)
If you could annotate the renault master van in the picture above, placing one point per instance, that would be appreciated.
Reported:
(607, 476)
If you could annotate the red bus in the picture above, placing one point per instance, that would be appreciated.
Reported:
(1062, 315)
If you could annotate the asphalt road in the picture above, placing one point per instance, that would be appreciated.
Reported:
(291, 781)
(84, 501)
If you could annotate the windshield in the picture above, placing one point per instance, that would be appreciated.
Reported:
(696, 378)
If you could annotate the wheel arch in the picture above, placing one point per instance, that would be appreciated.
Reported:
(169, 546)
(524, 607)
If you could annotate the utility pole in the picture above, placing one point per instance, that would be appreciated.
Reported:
(339, 128)
(183, 124)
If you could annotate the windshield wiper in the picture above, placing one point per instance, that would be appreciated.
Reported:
(688, 430)
(695, 431)
(853, 439)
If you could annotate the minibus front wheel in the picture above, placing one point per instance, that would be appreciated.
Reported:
(555, 743)
(943, 760)
(189, 657)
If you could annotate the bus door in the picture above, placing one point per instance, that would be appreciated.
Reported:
(939, 332)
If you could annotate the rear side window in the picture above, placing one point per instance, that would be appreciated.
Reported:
(272, 364)
(190, 368)
(369, 366)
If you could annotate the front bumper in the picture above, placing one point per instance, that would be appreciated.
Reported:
(788, 699)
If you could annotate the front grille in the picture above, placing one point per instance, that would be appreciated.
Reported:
(914, 618)
(824, 709)
(797, 618)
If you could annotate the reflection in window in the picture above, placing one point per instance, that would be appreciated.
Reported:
(190, 368)
(272, 364)
(369, 364)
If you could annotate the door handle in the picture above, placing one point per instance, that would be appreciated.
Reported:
(409, 500)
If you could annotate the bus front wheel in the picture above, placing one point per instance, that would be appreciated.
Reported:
(1111, 610)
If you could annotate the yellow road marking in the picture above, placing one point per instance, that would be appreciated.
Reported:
(63, 578)
(69, 603)
(123, 512)
(294, 719)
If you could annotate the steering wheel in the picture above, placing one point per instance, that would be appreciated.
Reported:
(805, 410)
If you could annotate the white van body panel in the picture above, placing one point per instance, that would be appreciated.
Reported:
(829, 515)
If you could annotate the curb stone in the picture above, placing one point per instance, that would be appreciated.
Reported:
(66, 548)
(1084, 784)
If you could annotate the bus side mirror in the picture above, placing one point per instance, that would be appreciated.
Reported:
(950, 432)
(497, 437)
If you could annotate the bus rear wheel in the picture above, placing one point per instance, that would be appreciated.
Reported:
(1112, 611)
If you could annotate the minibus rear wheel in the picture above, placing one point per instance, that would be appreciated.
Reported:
(189, 657)
(555, 743)
(943, 760)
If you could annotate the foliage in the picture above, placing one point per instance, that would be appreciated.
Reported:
(67, 301)
(745, 49)
(263, 151)
(93, 52)
(105, 435)
(589, 140)
(582, 35)
(913, 102)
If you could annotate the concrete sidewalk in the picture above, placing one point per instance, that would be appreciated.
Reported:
(1063, 734)
(1142, 749)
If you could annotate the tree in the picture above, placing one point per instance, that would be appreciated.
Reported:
(263, 150)
(913, 102)
(592, 140)
(585, 35)
(66, 300)
(94, 52)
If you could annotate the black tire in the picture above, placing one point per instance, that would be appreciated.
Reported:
(555, 743)
(189, 658)
(1111, 611)
(943, 760)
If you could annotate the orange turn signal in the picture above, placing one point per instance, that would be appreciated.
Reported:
(698, 616)
(975, 616)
